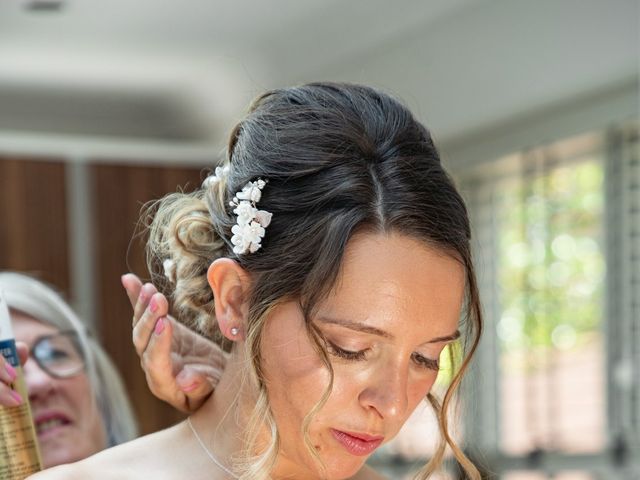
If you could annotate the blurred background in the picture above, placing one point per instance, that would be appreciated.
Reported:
(534, 106)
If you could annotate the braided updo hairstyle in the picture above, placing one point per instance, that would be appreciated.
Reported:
(339, 159)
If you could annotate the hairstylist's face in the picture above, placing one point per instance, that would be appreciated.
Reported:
(68, 424)
(395, 306)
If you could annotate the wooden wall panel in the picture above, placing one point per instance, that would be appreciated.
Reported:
(33, 219)
(119, 192)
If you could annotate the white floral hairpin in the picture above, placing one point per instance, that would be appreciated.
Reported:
(169, 267)
(249, 229)
(212, 179)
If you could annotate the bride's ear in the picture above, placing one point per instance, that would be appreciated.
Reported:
(230, 284)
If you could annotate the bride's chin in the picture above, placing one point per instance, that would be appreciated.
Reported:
(341, 471)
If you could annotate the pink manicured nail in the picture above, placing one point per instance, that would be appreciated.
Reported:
(11, 371)
(159, 326)
(153, 305)
(190, 387)
(16, 396)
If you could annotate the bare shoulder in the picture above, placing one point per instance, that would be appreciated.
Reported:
(131, 460)
(106, 465)
(61, 472)
(368, 473)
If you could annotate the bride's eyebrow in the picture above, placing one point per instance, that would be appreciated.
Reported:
(361, 327)
(447, 338)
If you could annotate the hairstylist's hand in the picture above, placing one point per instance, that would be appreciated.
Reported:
(181, 366)
(8, 396)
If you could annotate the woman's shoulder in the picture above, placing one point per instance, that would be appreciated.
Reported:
(113, 463)
(61, 472)
(131, 460)
(80, 470)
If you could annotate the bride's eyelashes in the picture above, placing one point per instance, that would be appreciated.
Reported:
(359, 355)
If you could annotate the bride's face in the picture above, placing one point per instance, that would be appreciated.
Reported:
(395, 306)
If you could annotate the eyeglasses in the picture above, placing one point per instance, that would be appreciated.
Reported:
(60, 354)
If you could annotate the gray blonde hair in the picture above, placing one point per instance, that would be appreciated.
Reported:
(40, 301)
(340, 159)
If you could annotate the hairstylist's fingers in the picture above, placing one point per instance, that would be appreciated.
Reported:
(157, 364)
(158, 307)
(23, 352)
(132, 285)
(7, 372)
(147, 291)
(195, 385)
(9, 397)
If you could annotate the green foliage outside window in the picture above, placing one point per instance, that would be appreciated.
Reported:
(551, 265)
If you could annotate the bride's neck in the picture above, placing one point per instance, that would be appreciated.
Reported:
(221, 421)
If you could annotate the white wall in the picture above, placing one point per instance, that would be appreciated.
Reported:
(484, 67)
(473, 70)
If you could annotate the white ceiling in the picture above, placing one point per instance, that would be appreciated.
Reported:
(258, 38)
(183, 70)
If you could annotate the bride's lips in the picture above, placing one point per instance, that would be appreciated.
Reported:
(359, 444)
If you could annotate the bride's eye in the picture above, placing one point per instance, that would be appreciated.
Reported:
(346, 354)
(425, 362)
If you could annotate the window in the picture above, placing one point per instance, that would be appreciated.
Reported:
(556, 390)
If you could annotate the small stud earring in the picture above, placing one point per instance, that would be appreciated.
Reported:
(234, 331)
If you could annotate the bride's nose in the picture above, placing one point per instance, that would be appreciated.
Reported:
(385, 391)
